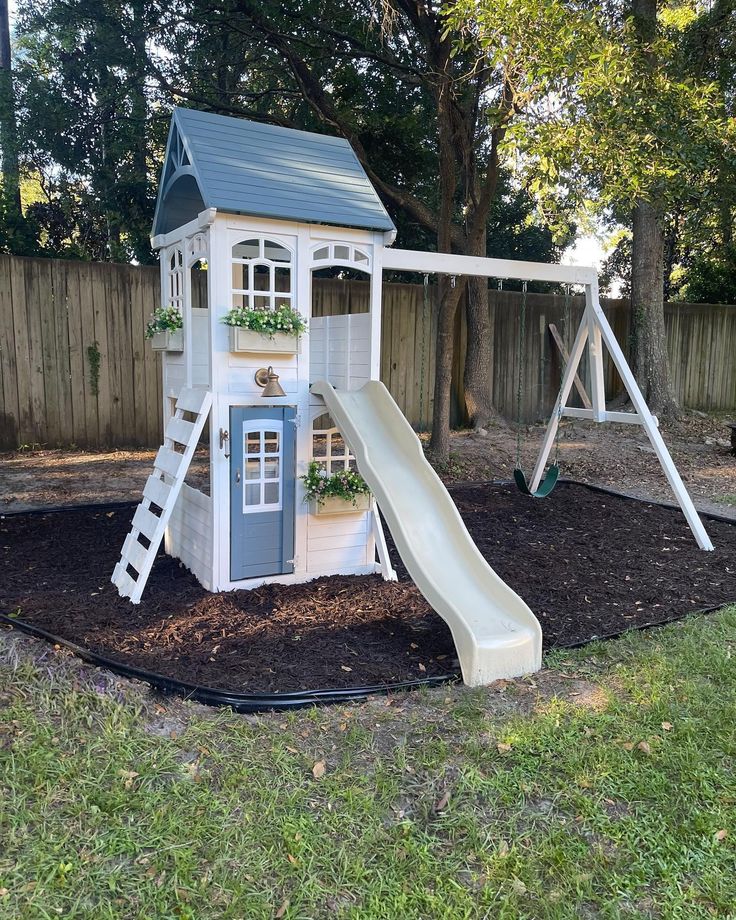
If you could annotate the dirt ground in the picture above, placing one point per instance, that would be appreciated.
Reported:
(360, 631)
(618, 456)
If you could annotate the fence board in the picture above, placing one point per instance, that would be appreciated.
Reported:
(9, 411)
(51, 313)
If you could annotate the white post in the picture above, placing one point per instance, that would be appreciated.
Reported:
(576, 353)
(376, 298)
(595, 357)
(387, 570)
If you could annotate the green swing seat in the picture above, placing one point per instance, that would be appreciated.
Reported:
(545, 486)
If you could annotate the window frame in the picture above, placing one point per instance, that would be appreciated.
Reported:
(261, 427)
(247, 295)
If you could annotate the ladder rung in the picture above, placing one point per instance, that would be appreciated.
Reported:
(146, 522)
(134, 552)
(191, 400)
(168, 461)
(156, 491)
(180, 431)
(125, 584)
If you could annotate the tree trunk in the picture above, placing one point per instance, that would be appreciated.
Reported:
(439, 444)
(650, 361)
(478, 376)
(11, 202)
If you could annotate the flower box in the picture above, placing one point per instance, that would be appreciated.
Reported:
(168, 340)
(333, 504)
(281, 343)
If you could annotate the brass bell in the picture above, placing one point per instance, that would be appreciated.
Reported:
(269, 380)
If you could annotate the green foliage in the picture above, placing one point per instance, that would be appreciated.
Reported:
(711, 278)
(164, 319)
(284, 318)
(604, 123)
(87, 125)
(319, 484)
(94, 358)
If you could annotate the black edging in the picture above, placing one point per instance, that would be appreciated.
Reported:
(280, 702)
(240, 702)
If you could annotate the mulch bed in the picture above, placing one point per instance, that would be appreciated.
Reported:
(588, 564)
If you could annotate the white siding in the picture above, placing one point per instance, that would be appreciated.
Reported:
(339, 542)
(241, 369)
(175, 372)
(189, 534)
(340, 350)
(200, 348)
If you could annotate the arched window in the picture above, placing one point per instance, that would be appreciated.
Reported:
(344, 254)
(262, 274)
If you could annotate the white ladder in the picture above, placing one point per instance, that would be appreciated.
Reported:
(161, 491)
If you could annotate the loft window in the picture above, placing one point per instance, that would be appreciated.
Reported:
(261, 274)
(346, 254)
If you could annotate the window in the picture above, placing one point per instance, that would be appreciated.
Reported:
(175, 279)
(262, 275)
(329, 448)
(341, 254)
(262, 460)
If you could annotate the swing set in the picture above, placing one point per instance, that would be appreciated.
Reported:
(594, 333)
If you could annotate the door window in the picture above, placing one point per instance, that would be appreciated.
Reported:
(262, 459)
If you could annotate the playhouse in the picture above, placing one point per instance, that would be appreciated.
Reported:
(246, 214)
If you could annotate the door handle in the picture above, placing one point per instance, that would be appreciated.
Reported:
(225, 441)
(237, 475)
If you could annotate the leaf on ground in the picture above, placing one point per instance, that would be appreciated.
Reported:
(503, 748)
(442, 803)
(281, 912)
(128, 777)
(292, 859)
(628, 745)
(720, 835)
(667, 726)
(319, 769)
(518, 887)
(344, 667)
(644, 747)
(503, 848)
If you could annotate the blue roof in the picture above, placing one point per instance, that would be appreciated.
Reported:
(245, 167)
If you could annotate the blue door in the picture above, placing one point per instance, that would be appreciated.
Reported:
(262, 486)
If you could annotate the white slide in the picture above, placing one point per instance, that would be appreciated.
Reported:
(496, 635)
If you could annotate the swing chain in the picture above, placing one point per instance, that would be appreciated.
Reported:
(565, 327)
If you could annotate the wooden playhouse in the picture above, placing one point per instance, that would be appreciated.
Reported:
(263, 208)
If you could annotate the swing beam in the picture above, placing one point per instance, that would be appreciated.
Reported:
(594, 333)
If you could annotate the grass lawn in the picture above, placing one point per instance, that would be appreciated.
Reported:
(604, 786)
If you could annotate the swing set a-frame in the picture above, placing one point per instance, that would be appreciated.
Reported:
(594, 334)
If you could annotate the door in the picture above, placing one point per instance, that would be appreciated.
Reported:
(262, 487)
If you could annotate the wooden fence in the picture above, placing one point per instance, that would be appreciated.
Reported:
(75, 367)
